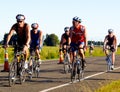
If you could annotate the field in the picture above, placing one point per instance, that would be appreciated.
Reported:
(49, 52)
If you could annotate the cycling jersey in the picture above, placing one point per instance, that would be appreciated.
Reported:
(110, 43)
(65, 38)
(21, 34)
(110, 40)
(78, 34)
(34, 39)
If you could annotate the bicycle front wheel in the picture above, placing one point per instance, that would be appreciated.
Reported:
(12, 73)
(23, 73)
(37, 71)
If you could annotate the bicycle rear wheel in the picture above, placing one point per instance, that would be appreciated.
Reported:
(12, 73)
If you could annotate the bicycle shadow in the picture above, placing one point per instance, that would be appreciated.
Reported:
(48, 80)
(4, 81)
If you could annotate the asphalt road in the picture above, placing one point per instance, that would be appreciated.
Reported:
(53, 79)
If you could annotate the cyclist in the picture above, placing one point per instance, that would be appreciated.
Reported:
(23, 35)
(78, 39)
(65, 39)
(110, 43)
(91, 48)
(36, 40)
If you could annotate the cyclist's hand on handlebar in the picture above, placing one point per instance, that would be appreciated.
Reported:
(5, 46)
(85, 48)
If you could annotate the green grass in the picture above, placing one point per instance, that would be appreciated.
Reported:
(112, 87)
(46, 53)
(51, 52)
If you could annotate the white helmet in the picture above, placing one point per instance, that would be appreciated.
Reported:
(34, 25)
(77, 19)
(66, 29)
(20, 17)
(110, 31)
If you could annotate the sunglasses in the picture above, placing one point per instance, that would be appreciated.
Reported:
(66, 31)
(19, 21)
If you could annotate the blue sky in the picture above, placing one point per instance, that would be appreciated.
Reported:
(53, 15)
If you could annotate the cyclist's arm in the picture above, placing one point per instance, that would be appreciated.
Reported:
(69, 40)
(115, 43)
(104, 43)
(28, 35)
(12, 30)
(85, 37)
(40, 38)
(61, 41)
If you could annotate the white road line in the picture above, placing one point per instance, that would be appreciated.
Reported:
(66, 84)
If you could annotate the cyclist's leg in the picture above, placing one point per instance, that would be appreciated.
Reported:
(64, 49)
(113, 56)
(107, 50)
(73, 56)
(37, 51)
(81, 53)
(73, 51)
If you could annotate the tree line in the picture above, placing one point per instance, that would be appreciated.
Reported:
(48, 40)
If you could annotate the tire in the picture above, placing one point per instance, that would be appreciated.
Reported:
(37, 71)
(66, 68)
(30, 68)
(73, 72)
(66, 64)
(12, 73)
(80, 71)
(23, 72)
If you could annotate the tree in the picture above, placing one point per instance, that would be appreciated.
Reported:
(51, 40)
(12, 41)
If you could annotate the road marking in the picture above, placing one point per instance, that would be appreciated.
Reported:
(66, 84)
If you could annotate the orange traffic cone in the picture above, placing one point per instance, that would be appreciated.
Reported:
(61, 58)
(6, 63)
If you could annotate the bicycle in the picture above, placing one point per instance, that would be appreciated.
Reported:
(77, 69)
(33, 65)
(17, 70)
(109, 59)
(67, 65)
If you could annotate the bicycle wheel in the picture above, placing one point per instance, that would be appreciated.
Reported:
(66, 67)
(30, 68)
(80, 71)
(37, 70)
(73, 72)
(12, 73)
(23, 72)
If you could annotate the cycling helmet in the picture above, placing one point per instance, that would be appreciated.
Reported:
(66, 29)
(77, 19)
(20, 17)
(110, 31)
(34, 25)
